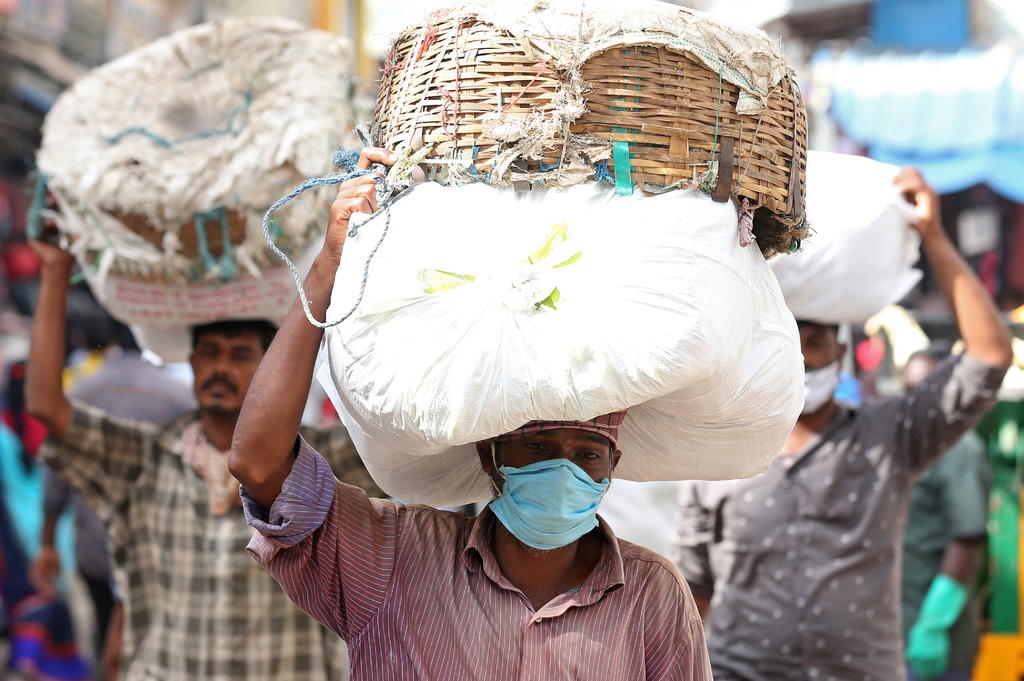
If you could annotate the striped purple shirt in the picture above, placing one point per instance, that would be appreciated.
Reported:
(417, 593)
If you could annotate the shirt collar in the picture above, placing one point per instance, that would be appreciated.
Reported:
(609, 573)
(844, 413)
(170, 438)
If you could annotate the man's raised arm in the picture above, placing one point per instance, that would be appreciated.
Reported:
(263, 447)
(44, 391)
(985, 335)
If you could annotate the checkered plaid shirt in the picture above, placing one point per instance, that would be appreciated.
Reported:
(196, 605)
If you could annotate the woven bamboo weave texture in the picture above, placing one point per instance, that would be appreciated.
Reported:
(492, 109)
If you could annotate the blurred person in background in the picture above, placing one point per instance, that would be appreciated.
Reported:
(28, 429)
(125, 386)
(195, 605)
(800, 565)
(943, 544)
(38, 627)
(19, 266)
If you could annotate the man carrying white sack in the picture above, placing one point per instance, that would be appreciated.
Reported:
(195, 606)
(536, 587)
(801, 564)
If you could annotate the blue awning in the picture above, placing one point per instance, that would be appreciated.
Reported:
(1001, 169)
(959, 117)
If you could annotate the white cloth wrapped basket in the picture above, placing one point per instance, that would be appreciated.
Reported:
(485, 308)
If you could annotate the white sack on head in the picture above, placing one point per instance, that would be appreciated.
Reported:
(485, 309)
(161, 157)
(860, 257)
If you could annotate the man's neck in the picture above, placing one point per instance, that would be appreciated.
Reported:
(807, 425)
(218, 428)
(543, 575)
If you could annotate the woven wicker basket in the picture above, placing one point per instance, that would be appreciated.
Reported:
(489, 105)
(188, 233)
(189, 249)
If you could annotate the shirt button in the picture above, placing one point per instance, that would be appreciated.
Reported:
(537, 619)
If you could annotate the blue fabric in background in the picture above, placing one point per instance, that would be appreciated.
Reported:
(23, 497)
(958, 117)
(40, 630)
(849, 390)
(1001, 168)
(916, 24)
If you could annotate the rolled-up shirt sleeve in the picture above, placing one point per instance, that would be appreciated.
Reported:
(299, 509)
(331, 547)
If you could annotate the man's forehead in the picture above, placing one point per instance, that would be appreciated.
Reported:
(810, 330)
(577, 434)
(239, 339)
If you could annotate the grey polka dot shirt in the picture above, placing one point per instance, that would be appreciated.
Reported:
(802, 562)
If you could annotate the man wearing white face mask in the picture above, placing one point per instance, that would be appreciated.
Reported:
(800, 565)
(820, 386)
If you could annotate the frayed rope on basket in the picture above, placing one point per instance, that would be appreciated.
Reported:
(346, 161)
(746, 223)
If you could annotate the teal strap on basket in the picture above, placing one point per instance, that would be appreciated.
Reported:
(227, 256)
(144, 132)
(623, 172)
(226, 262)
(91, 268)
(718, 110)
(209, 262)
(621, 156)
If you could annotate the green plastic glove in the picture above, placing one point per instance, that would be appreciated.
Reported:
(928, 643)
(928, 652)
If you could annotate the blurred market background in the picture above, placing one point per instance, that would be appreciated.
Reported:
(937, 84)
(934, 83)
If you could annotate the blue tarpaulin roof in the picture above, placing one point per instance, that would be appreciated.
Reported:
(959, 117)
(1002, 169)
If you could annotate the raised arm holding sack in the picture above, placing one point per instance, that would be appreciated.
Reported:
(175, 527)
(800, 565)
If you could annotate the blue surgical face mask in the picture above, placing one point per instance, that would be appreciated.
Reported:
(548, 504)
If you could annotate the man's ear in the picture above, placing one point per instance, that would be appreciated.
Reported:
(483, 450)
(616, 455)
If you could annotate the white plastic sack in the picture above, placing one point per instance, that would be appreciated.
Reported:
(232, 113)
(860, 257)
(652, 305)
(216, 119)
(645, 513)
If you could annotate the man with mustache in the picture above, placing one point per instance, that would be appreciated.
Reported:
(196, 606)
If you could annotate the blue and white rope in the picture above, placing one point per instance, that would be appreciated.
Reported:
(345, 160)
